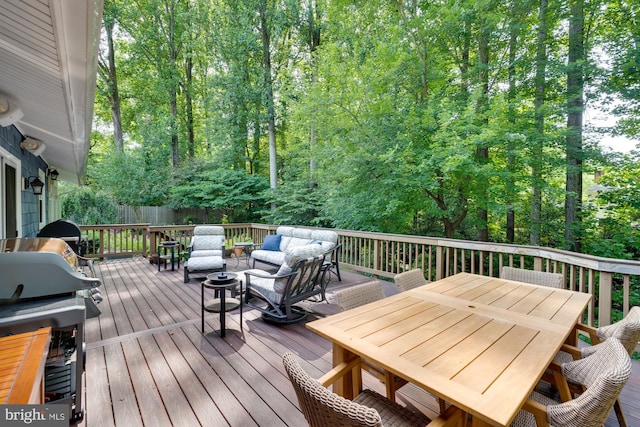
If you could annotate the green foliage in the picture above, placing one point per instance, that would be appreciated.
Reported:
(85, 207)
(380, 111)
(235, 195)
(295, 203)
(132, 178)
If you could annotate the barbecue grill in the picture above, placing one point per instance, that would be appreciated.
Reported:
(67, 231)
(41, 285)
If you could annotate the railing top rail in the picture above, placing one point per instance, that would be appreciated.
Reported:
(113, 226)
(610, 265)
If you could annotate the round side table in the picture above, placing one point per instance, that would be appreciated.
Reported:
(240, 247)
(220, 282)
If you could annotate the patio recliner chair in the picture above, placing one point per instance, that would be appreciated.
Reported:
(298, 279)
(206, 251)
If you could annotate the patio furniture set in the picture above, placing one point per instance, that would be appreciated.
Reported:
(304, 257)
(479, 344)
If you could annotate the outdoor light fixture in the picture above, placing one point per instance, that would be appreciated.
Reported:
(36, 185)
(53, 174)
(9, 112)
(35, 146)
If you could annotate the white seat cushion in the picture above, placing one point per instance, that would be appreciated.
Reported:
(204, 263)
(206, 252)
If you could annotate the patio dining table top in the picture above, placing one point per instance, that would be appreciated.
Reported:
(480, 343)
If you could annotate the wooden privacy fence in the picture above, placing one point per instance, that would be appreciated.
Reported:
(385, 255)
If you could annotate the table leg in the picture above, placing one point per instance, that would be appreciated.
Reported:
(240, 283)
(202, 305)
(349, 385)
(477, 422)
(223, 309)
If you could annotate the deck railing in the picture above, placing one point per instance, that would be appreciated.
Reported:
(385, 255)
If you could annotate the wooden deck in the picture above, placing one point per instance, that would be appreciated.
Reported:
(148, 364)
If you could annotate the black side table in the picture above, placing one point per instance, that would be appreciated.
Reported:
(164, 255)
(220, 282)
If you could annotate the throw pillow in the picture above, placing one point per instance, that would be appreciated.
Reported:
(271, 242)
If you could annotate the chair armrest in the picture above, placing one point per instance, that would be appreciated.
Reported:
(268, 276)
(338, 372)
(538, 410)
(589, 330)
(574, 351)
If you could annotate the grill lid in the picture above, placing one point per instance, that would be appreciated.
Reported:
(39, 267)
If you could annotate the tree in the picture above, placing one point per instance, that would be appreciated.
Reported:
(86, 207)
(539, 118)
(235, 195)
(107, 72)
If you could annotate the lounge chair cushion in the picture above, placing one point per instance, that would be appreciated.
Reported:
(201, 263)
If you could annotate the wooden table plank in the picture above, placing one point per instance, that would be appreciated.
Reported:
(23, 358)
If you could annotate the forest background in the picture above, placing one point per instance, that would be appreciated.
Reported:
(454, 118)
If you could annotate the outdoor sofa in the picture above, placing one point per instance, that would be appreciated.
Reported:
(275, 246)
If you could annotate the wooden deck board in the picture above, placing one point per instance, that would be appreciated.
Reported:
(149, 364)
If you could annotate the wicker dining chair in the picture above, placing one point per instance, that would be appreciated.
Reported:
(410, 279)
(323, 408)
(627, 331)
(605, 373)
(358, 295)
(553, 280)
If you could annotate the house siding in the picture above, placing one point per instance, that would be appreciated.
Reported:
(10, 139)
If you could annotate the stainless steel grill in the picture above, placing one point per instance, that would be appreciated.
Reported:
(41, 285)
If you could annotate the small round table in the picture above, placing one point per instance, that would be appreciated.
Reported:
(220, 282)
(240, 247)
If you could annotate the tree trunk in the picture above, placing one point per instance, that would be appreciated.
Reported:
(575, 105)
(189, 105)
(538, 143)
(265, 34)
(109, 75)
(482, 151)
(510, 184)
(313, 43)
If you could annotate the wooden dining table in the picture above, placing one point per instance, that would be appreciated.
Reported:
(480, 343)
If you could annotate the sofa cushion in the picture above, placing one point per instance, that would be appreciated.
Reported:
(271, 242)
(287, 233)
(270, 257)
(297, 253)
